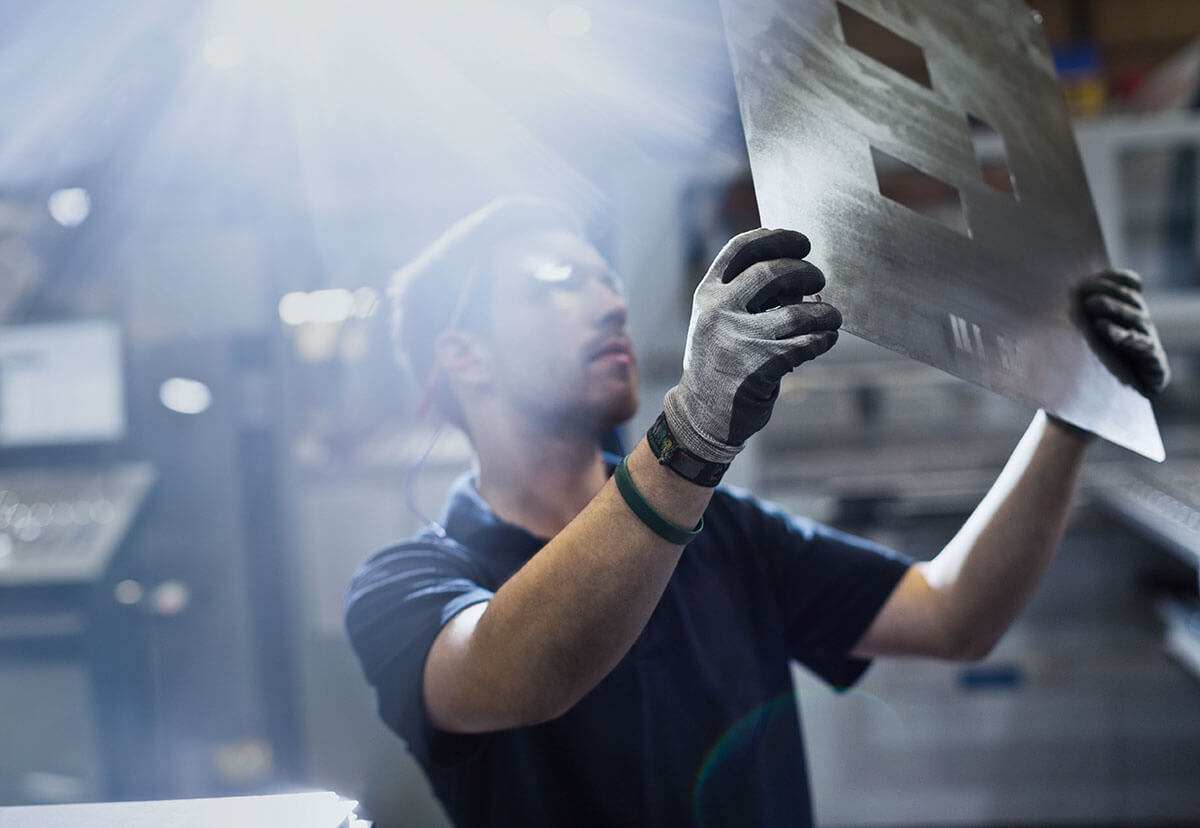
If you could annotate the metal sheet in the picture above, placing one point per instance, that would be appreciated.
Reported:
(991, 302)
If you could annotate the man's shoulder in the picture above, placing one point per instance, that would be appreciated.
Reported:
(744, 507)
(737, 498)
(427, 546)
(737, 515)
(408, 563)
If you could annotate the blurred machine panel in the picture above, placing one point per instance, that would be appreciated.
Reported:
(61, 383)
(1182, 632)
(62, 525)
(49, 721)
(861, 120)
(20, 270)
(1162, 503)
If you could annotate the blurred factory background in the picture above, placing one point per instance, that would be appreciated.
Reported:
(202, 433)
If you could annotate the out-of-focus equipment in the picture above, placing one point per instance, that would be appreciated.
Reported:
(1162, 503)
(20, 271)
(971, 274)
(74, 631)
(73, 623)
(65, 525)
(60, 384)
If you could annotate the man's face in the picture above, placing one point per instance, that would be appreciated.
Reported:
(558, 332)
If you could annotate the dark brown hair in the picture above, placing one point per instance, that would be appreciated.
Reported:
(425, 291)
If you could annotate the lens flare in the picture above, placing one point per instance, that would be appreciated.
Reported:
(729, 754)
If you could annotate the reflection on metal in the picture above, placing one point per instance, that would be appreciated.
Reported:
(994, 304)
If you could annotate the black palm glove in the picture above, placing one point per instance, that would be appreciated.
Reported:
(1112, 302)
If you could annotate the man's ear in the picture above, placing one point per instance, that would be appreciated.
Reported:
(461, 357)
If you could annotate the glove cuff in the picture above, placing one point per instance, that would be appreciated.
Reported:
(678, 459)
(687, 435)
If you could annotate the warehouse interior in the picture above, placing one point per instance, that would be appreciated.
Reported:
(203, 431)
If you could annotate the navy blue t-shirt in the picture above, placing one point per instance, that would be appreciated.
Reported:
(696, 726)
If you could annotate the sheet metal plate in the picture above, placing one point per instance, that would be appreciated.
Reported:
(993, 305)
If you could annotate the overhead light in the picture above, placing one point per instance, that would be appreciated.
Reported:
(569, 20)
(128, 592)
(327, 306)
(185, 396)
(293, 308)
(366, 302)
(334, 305)
(70, 207)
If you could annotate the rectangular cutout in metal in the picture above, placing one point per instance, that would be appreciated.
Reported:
(993, 157)
(921, 193)
(882, 44)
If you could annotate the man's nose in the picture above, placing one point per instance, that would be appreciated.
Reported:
(611, 305)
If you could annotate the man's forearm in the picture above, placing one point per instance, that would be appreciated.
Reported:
(987, 573)
(564, 620)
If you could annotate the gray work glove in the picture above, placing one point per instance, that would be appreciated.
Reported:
(1112, 302)
(748, 329)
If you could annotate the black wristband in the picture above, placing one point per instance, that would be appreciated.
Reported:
(679, 460)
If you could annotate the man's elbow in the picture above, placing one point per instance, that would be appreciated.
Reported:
(495, 706)
(528, 709)
(969, 645)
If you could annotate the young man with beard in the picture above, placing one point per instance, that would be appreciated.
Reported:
(594, 640)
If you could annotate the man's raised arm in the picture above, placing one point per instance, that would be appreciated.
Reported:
(566, 618)
(959, 604)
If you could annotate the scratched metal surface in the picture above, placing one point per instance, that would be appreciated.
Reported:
(993, 306)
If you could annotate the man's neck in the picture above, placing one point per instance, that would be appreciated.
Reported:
(540, 480)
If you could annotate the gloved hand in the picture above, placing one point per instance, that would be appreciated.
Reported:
(1112, 302)
(749, 327)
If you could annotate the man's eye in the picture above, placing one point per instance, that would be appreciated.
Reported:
(567, 276)
(554, 272)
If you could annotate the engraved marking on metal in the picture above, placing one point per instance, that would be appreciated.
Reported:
(970, 338)
(962, 339)
(815, 107)
(1010, 354)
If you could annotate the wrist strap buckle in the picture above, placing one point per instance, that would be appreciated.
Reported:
(678, 459)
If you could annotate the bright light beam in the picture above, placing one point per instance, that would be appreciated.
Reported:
(569, 20)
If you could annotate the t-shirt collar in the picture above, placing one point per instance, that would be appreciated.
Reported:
(469, 520)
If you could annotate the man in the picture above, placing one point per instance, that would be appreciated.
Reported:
(580, 646)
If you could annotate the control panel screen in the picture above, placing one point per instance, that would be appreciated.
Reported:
(61, 383)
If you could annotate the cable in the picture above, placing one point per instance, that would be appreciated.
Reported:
(410, 478)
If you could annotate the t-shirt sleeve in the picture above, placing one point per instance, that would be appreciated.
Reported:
(395, 606)
(827, 587)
